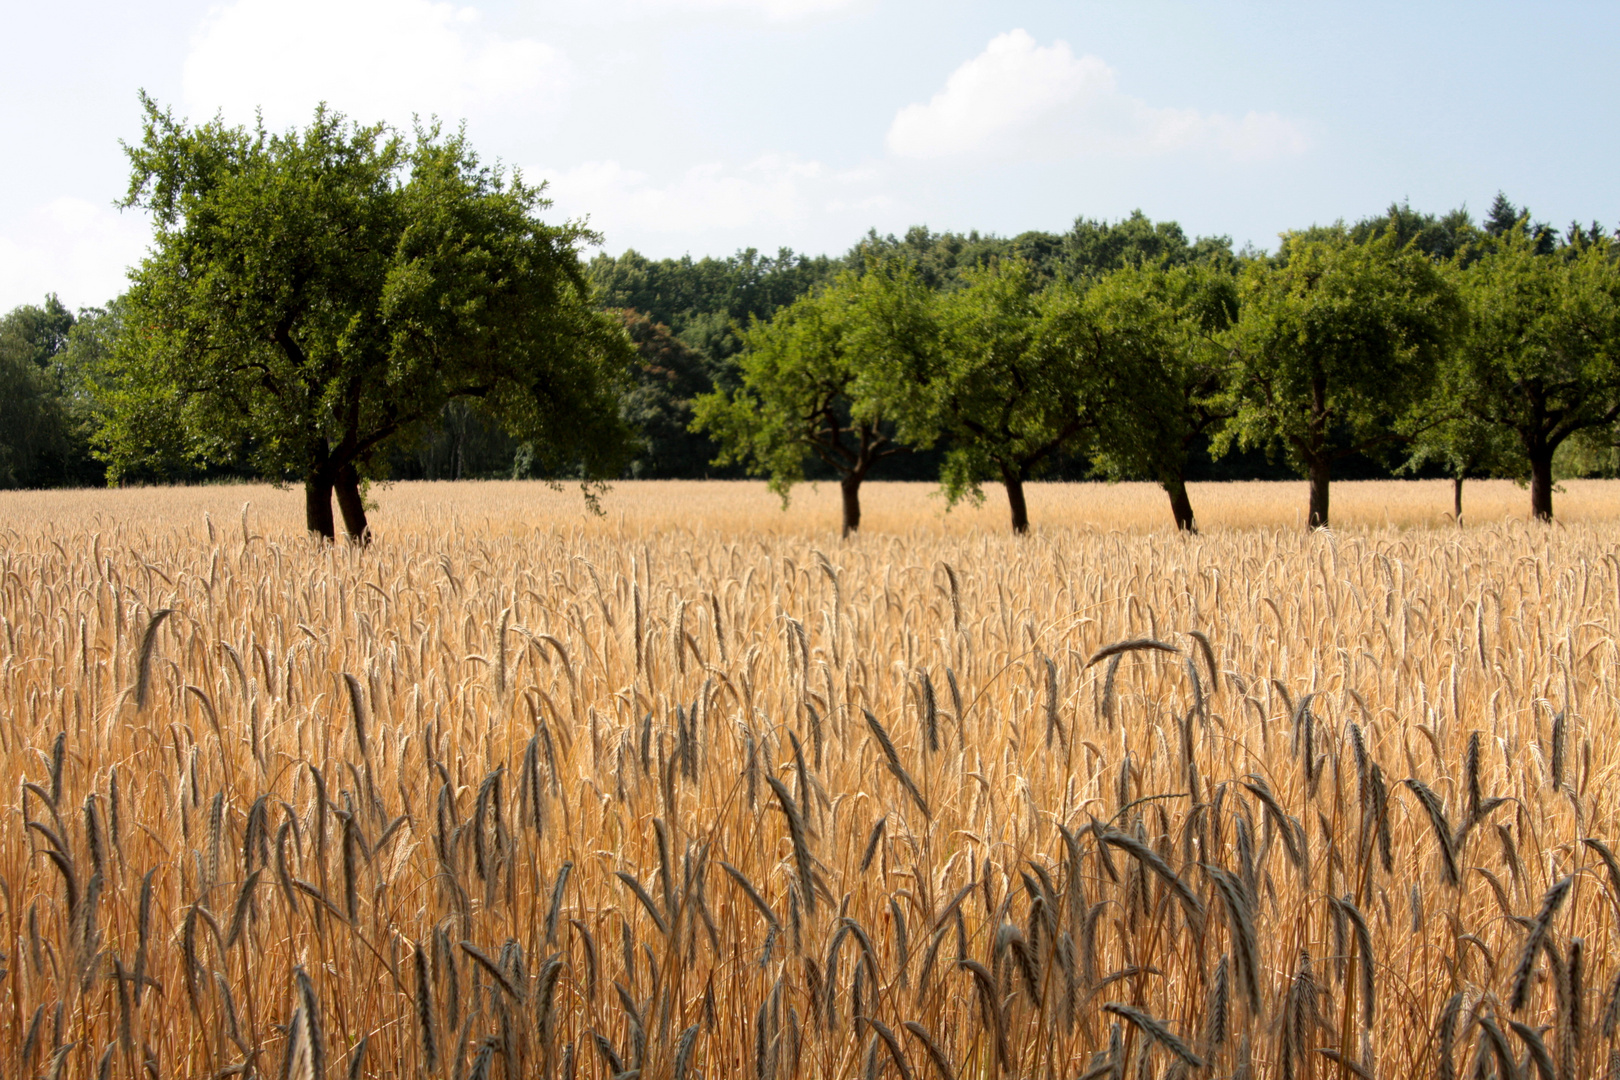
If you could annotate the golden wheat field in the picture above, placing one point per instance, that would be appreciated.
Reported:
(696, 789)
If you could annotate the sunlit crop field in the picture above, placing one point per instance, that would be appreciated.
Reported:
(695, 788)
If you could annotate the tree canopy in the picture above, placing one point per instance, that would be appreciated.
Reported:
(1026, 374)
(1540, 357)
(830, 376)
(1334, 344)
(1171, 316)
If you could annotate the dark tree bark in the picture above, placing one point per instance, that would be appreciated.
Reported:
(850, 485)
(1456, 498)
(318, 503)
(346, 486)
(1541, 482)
(851, 459)
(1180, 504)
(1320, 473)
(1013, 479)
(1316, 457)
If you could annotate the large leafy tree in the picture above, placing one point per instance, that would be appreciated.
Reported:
(1170, 379)
(1540, 358)
(1335, 344)
(1026, 376)
(316, 297)
(833, 376)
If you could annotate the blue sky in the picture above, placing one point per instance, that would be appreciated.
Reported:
(704, 126)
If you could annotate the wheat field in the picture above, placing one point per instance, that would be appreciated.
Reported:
(695, 789)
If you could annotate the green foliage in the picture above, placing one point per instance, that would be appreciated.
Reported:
(318, 297)
(830, 376)
(1504, 220)
(1027, 373)
(704, 301)
(1172, 395)
(1540, 358)
(1335, 345)
(1447, 236)
(940, 260)
(1465, 447)
(38, 335)
(670, 377)
(1090, 249)
(31, 424)
(1093, 248)
(45, 419)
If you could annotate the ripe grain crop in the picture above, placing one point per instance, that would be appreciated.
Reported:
(666, 793)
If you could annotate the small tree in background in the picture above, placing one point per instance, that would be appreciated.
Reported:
(316, 297)
(1467, 449)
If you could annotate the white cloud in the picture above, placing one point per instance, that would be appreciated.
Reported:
(774, 191)
(369, 59)
(1021, 99)
(71, 247)
(773, 10)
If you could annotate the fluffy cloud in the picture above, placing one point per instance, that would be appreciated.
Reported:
(74, 248)
(1021, 99)
(773, 10)
(774, 191)
(371, 59)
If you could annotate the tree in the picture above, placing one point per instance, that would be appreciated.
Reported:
(1171, 377)
(825, 378)
(1334, 344)
(42, 438)
(1089, 249)
(704, 300)
(30, 421)
(1092, 248)
(1445, 237)
(670, 377)
(1465, 447)
(1504, 219)
(1541, 353)
(317, 297)
(1024, 375)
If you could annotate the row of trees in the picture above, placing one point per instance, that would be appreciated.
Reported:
(345, 303)
(1480, 351)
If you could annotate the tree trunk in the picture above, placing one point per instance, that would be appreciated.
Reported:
(1315, 455)
(347, 488)
(1181, 505)
(1320, 472)
(1456, 498)
(1541, 483)
(1013, 479)
(851, 486)
(318, 503)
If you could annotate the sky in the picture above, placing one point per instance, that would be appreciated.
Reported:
(706, 126)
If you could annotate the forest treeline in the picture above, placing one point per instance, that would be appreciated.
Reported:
(1408, 343)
